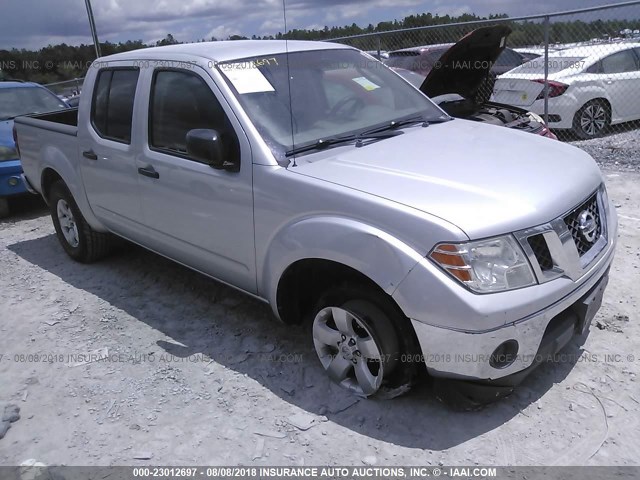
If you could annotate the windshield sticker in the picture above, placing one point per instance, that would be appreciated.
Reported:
(266, 61)
(247, 78)
(365, 83)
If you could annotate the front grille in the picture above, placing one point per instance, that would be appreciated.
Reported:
(541, 250)
(573, 222)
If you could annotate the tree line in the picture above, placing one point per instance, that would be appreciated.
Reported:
(55, 63)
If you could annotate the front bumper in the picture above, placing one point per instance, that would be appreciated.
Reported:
(11, 178)
(459, 331)
(467, 355)
(562, 109)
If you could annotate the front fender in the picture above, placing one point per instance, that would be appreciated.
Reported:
(381, 257)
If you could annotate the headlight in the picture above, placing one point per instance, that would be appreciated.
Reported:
(484, 266)
(8, 153)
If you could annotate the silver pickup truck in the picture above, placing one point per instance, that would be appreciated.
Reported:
(314, 178)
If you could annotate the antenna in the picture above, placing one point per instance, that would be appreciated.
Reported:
(286, 47)
(92, 24)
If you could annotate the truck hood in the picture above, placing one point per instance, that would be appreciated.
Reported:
(463, 68)
(483, 179)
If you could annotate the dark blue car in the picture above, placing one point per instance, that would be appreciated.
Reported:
(18, 98)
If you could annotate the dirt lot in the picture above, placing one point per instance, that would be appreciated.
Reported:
(199, 374)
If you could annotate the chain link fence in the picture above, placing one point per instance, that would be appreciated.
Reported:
(579, 69)
(68, 90)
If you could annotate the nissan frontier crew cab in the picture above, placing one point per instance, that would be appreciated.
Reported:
(316, 179)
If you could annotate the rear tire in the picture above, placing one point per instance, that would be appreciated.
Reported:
(79, 240)
(592, 120)
(361, 340)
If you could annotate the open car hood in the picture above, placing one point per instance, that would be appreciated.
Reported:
(463, 68)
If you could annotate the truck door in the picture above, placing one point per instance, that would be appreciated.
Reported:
(193, 213)
(106, 151)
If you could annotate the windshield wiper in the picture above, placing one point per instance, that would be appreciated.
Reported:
(405, 122)
(332, 141)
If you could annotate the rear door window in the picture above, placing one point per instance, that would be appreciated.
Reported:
(113, 99)
(619, 62)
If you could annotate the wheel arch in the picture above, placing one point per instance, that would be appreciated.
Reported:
(47, 179)
(301, 284)
(598, 98)
(314, 252)
(67, 174)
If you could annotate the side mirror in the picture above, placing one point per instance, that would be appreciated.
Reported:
(205, 146)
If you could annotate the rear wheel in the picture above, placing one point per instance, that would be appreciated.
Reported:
(592, 120)
(76, 236)
(358, 338)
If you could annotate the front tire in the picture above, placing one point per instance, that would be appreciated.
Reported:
(359, 339)
(76, 236)
(592, 120)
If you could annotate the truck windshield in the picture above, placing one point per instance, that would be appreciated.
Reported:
(332, 93)
(16, 101)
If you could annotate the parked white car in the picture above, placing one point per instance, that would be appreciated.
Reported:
(590, 87)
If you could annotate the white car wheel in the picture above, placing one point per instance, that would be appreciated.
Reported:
(592, 120)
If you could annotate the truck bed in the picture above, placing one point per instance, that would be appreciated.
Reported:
(47, 137)
(62, 121)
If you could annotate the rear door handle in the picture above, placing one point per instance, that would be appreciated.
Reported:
(148, 172)
(90, 154)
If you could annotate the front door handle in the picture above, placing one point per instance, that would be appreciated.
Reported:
(148, 172)
(90, 154)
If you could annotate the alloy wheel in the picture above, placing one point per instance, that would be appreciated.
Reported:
(67, 223)
(593, 119)
(347, 350)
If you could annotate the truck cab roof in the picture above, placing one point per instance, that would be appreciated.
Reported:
(225, 50)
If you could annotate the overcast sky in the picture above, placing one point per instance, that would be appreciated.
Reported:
(37, 23)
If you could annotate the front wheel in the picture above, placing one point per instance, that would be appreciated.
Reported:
(357, 340)
(76, 236)
(592, 120)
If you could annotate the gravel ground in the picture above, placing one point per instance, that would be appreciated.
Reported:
(619, 150)
(196, 373)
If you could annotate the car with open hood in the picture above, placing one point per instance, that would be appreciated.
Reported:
(459, 78)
